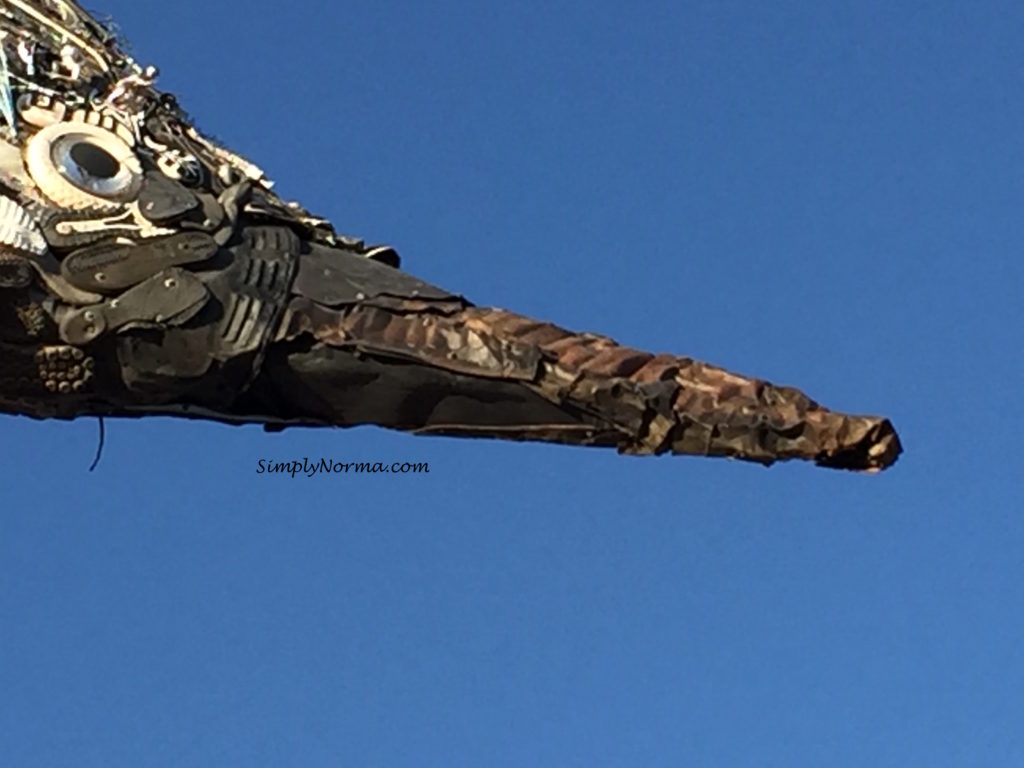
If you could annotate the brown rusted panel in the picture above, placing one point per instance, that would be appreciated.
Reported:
(524, 328)
(658, 368)
(437, 340)
(617, 362)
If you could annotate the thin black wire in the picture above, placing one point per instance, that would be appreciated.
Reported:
(99, 447)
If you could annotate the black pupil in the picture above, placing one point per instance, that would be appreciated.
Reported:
(96, 162)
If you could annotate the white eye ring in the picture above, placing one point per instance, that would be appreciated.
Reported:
(81, 166)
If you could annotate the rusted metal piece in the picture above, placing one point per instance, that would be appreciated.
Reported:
(146, 269)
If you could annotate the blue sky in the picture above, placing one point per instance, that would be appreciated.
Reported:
(823, 194)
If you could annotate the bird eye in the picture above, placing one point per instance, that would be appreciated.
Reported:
(80, 166)
(90, 167)
(92, 160)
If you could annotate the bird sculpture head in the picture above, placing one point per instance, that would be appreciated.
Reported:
(91, 151)
(106, 186)
(147, 269)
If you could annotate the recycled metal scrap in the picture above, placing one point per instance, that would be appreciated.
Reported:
(146, 269)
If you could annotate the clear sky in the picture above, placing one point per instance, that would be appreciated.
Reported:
(823, 194)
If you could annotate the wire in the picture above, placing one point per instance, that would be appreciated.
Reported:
(99, 446)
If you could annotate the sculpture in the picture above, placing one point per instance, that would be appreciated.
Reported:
(146, 269)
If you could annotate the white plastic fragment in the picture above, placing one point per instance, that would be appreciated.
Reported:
(18, 231)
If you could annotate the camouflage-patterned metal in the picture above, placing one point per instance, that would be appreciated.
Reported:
(146, 269)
